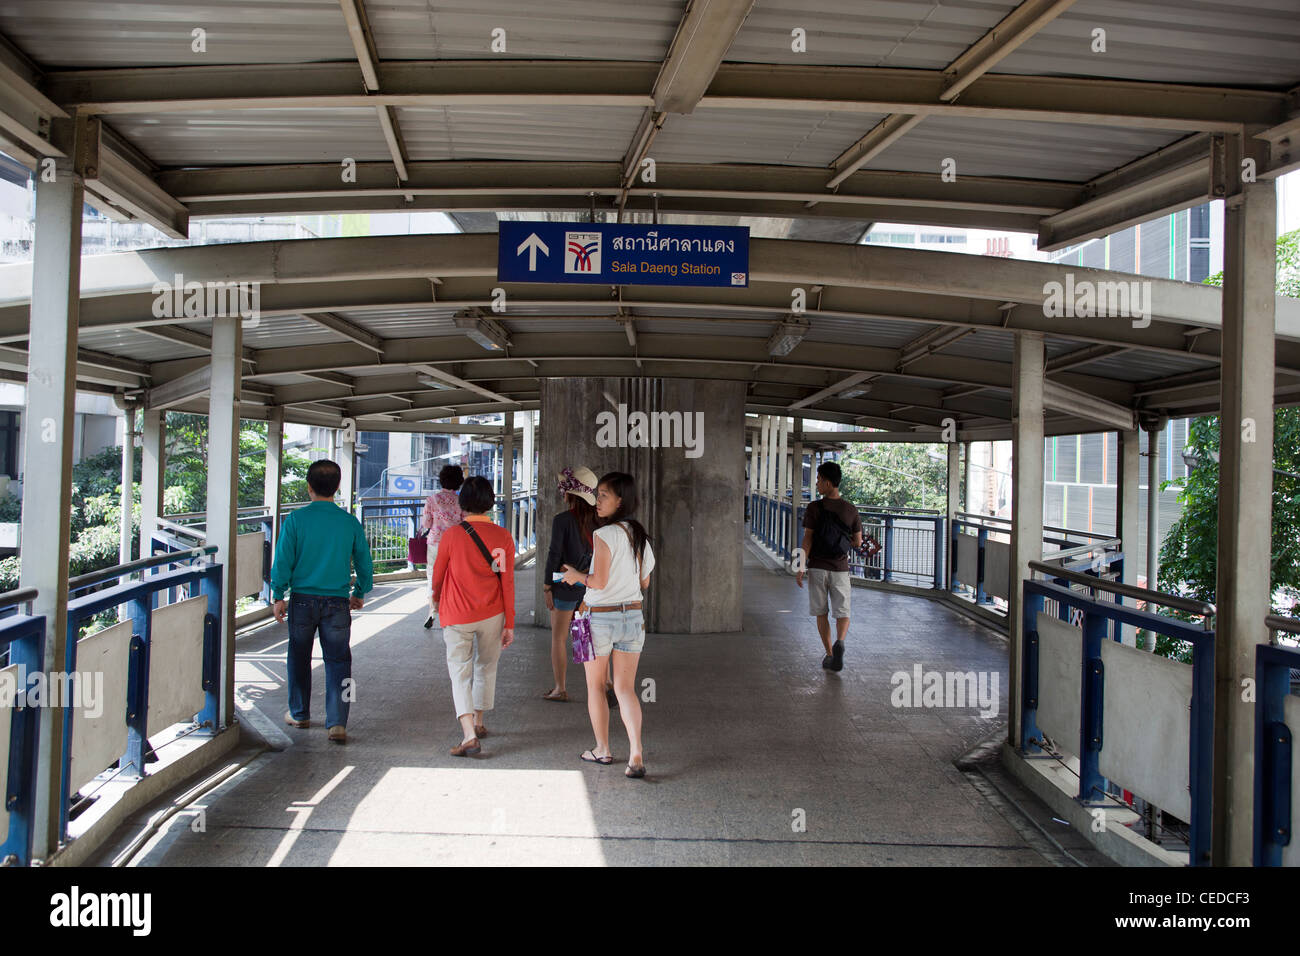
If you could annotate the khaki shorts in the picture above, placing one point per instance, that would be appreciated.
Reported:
(828, 588)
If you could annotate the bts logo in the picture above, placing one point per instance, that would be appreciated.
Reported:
(738, 278)
(582, 253)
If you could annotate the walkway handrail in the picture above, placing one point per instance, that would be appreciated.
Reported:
(175, 528)
(1174, 601)
(121, 570)
(1065, 554)
(1273, 622)
(969, 516)
(18, 596)
(1094, 617)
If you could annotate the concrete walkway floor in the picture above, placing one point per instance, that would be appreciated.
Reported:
(755, 754)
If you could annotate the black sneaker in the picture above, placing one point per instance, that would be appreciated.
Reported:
(611, 698)
(837, 655)
(429, 623)
(828, 662)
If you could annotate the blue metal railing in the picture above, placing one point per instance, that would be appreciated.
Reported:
(1098, 620)
(389, 522)
(1274, 745)
(22, 636)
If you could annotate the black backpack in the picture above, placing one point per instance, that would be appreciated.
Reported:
(831, 537)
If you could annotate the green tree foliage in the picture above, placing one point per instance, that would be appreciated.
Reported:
(1189, 555)
(97, 489)
(893, 474)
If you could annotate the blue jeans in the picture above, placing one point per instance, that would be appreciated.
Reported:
(309, 613)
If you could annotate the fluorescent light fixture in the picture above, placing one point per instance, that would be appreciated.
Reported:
(789, 333)
(484, 331)
(428, 381)
(857, 391)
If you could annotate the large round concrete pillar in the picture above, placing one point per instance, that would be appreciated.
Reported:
(689, 467)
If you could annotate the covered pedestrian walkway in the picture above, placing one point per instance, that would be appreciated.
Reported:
(795, 130)
(756, 756)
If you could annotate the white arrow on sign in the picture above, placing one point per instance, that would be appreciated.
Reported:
(532, 244)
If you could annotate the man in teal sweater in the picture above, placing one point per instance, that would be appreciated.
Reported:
(318, 547)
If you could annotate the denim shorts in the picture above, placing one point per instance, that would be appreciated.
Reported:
(566, 605)
(617, 630)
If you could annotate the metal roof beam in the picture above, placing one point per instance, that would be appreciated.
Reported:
(349, 330)
(584, 84)
(703, 37)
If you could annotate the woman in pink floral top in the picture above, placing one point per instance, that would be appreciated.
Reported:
(441, 511)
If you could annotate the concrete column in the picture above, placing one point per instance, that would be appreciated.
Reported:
(760, 480)
(347, 461)
(526, 462)
(274, 468)
(754, 434)
(1153, 507)
(47, 439)
(507, 473)
(223, 485)
(691, 506)
(127, 501)
(796, 485)
(782, 435)
(1243, 593)
(954, 505)
(1127, 520)
(812, 473)
(153, 458)
(1026, 499)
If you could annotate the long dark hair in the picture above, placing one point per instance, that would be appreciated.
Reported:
(623, 486)
(584, 514)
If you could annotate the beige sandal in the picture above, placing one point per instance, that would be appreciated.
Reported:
(562, 696)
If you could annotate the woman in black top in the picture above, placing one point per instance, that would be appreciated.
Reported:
(571, 544)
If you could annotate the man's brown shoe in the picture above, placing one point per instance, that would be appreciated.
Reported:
(469, 748)
(289, 719)
(338, 734)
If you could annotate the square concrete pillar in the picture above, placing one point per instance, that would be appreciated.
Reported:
(1026, 500)
(48, 430)
(953, 506)
(274, 475)
(1243, 592)
(153, 455)
(1128, 521)
(692, 506)
(223, 488)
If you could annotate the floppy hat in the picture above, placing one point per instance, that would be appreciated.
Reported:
(580, 482)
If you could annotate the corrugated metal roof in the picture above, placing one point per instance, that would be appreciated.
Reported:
(576, 29)
(136, 345)
(790, 137)
(93, 33)
(525, 133)
(983, 147)
(1241, 43)
(1144, 366)
(285, 331)
(916, 34)
(256, 137)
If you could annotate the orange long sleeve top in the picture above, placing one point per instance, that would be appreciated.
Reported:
(465, 587)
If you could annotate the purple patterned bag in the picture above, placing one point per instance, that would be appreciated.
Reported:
(580, 631)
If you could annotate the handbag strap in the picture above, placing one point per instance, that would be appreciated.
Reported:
(487, 555)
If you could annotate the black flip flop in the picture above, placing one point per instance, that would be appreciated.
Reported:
(603, 761)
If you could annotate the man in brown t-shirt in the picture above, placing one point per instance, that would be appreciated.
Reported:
(831, 527)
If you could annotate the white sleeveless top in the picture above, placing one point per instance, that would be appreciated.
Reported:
(624, 583)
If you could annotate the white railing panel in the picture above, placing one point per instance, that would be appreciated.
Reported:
(99, 731)
(997, 569)
(10, 676)
(1291, 714)
(1146, 726)
(1060, 678)
(176, 663)
(248, 563)
(968, 559)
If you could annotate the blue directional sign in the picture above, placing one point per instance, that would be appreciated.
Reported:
(616, 254)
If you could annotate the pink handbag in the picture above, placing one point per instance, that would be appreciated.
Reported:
(580, 632)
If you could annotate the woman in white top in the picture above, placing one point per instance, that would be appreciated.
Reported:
(621, 562)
